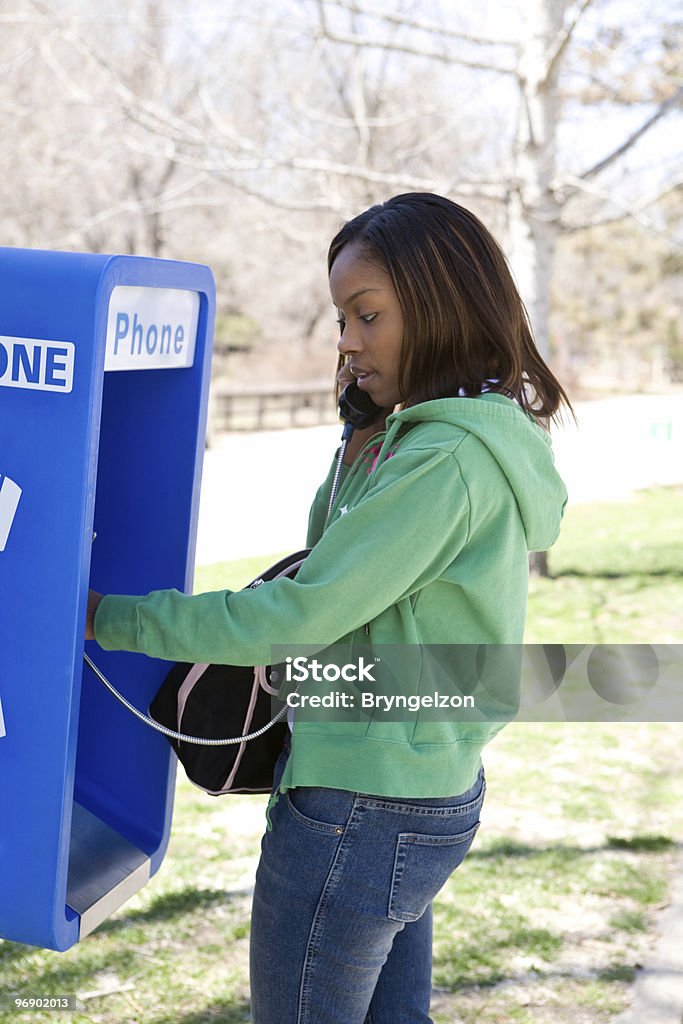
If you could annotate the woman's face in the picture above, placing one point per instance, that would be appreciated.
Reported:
(371, 324)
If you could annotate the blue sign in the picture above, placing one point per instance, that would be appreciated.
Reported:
(104, 377)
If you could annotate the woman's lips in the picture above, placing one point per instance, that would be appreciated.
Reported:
(362, 376)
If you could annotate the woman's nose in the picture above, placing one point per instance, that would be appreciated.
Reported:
(347, 342)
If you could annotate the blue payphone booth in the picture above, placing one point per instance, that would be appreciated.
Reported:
(104, 376)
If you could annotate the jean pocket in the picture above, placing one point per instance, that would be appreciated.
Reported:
(422, 866)
(324, 810)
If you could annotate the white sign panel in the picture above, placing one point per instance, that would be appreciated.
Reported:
(36, 364)
(151, 328)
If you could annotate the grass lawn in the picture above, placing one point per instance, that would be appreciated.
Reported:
(552, 911)
(618, 572)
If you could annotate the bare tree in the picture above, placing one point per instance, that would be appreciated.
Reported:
(538, 196)
(334, 105)
(237, 134)
(248, 138)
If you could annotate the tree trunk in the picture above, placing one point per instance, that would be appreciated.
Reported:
(533, 211)
(538, 563)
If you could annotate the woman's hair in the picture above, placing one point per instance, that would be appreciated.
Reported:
(464, 322)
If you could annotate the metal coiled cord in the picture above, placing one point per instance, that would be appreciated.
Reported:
(337, 471)
(198, 740)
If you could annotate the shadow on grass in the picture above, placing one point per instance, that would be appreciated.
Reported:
(166, 907)
(506, 927)
(617, 973)
(645, 843)
(641, 844)
(227, 1011)
(10, 951)
(482, 967)
(172, 905)
(58, 974)
(607, 574)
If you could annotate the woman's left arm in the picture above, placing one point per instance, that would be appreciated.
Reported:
(401, 535)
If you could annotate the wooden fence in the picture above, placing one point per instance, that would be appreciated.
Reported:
(270, 408)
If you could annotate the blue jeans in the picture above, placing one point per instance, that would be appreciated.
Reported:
(341, 928)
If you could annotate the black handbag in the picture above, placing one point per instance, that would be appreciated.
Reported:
(210, 702)
(219, 718)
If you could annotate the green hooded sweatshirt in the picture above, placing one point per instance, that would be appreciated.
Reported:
(427, 544)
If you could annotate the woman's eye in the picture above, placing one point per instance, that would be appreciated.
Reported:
(342, 324)
(369, 317)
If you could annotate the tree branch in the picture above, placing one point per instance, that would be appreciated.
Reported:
(659, 113)
(67, 80)
(146, 112)
(228, 169)
(170, 199)
(418, 23)
(352, 39)
(223, 127)
(22, 19)
(359, 105)
(300, 104)
(560, 44)
(418, 146)
(632, 211)
(489, 190)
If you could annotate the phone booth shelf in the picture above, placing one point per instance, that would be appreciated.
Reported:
(104, 371)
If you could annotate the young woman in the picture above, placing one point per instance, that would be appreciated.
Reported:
(427, 544)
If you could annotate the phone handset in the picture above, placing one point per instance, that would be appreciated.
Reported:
(357, 410)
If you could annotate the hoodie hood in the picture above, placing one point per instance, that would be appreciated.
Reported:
(522, 449)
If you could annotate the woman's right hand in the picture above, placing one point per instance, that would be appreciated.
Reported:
(344, 376)
(93, 603)
(360, 436)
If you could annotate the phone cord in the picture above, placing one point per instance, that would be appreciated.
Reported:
(337, 472)
(181, 736)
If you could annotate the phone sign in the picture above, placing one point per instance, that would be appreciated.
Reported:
(151, 328)
(36, 364)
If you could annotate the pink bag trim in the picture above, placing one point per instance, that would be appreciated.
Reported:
(195, 673)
